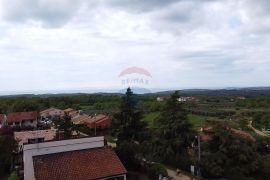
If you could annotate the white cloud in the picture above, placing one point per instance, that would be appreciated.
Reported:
(65, 44)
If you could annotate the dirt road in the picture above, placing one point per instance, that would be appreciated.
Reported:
(256, 130)
(181, 176)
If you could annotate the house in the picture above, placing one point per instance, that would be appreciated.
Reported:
(22, 119)
(241, 98)
(80, 119)
(187, 99)
(51, 112)
(3, 119)
(28, 137)
(100, 121)
(160, 99)
(84, 159)
(71, 112)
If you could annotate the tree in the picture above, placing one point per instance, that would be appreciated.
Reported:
(64, 125)
(174, 134)
(128, 124)
(13, 176)
(233, 157)
(129, 129)
(7, 146)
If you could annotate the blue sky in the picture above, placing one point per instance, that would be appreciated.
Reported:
(74, 45)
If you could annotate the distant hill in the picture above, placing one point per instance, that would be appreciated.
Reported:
(247, 92)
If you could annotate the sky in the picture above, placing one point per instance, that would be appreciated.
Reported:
(54, 45)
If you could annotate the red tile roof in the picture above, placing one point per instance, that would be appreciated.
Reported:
(19, 116)
(82, 164)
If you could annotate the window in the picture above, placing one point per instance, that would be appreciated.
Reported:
(36, 140)
(31, 141)
(40, 140)
(31, 121)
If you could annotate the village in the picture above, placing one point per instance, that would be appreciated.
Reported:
(39, 141)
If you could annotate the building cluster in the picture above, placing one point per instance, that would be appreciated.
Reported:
(32, 119)
(42, 156)
(181, 99)
(78, 117)
(188, 99)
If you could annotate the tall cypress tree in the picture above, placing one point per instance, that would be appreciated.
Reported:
(127, 122)
(174, 133)
(129, 129)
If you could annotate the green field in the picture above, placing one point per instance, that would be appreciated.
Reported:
(196, 120)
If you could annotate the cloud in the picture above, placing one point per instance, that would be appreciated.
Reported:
(182, 43)
(140, 6)
(50, 13)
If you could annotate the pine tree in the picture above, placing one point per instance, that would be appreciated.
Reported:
(174, 133)
(127, 123)
(129, 129)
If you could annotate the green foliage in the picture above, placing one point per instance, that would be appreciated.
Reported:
(128, 124)
(154, 170)
(233, 157)
(64, 124)
(261, 120)
(150, 119)
(37, 103)
(7, 146)
(173, 135)
(257, 102)
(127, 151)
(13, 176)
(130, 130)
(196, 120)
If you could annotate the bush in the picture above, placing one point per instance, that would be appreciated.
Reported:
(154, 170)
(126, 151)
(13, 176)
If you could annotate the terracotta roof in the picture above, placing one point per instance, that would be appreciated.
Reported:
(81, 164)
(80, 119)
(95, 118)
(22, 137)
(52, 111)
(68, 110)
(19, 116)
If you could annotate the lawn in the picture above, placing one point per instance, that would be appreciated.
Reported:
(196, 120)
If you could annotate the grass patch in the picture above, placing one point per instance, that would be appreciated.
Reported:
(196, 120)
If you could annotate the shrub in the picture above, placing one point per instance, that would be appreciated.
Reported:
(13, 176)
(154, 170)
